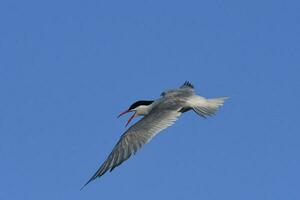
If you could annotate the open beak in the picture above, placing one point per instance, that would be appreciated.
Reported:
(129, 120)
(123, 113)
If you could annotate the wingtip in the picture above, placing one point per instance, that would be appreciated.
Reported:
(84, 185)
(82, 188)
(188, 84)
(87, 183)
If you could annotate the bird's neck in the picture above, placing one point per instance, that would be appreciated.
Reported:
(144, 109)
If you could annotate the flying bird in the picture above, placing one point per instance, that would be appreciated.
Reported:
(158, 115)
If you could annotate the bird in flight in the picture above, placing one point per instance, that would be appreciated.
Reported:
(158, 115)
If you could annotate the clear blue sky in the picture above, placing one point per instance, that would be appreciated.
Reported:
(67, 69)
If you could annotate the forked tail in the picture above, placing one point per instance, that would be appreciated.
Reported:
(207, 107)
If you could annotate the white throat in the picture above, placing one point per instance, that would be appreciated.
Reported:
(143, 110)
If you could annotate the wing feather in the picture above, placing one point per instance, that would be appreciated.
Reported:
(135, 137)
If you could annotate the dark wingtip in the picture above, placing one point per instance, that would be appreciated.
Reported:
(98, 173)
(187, 84)
(86, 184)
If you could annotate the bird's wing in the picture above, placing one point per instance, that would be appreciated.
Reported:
(185, 89)
(187, 84)
(135, 137)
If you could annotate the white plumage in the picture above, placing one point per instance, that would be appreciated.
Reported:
(158, 115)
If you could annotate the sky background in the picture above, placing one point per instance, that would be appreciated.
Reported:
(68, 68)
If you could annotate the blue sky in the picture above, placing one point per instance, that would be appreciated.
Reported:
(68, 68)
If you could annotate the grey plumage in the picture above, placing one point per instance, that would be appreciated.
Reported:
(163, 112)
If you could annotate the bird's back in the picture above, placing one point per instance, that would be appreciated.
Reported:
(175, 99)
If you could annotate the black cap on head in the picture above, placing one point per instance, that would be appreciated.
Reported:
(139, 103)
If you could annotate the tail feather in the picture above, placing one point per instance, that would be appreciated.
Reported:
(208, 107)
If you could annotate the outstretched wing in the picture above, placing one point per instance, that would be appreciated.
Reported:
(135, 137)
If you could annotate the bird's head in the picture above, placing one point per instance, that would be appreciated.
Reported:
(139, 108)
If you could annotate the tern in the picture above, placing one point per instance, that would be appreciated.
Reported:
(158, 115)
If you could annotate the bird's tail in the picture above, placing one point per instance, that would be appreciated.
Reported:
(207, 107)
